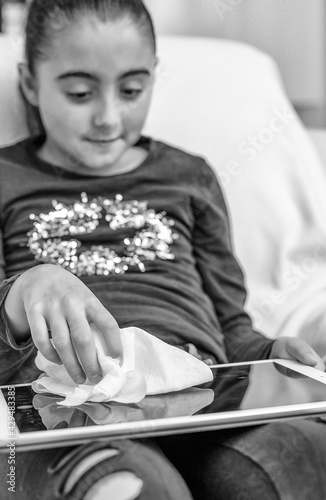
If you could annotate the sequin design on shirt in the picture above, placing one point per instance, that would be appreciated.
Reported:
(49, 239)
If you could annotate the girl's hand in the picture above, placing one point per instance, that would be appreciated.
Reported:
(52, 302)
(297, 349)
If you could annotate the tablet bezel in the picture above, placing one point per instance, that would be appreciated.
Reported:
(173, 425)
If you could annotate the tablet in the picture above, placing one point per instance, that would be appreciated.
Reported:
(241, 394)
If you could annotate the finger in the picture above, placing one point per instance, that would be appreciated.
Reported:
(78, 418)
(107, 325)
(302, 352)
(320, 365)
(84, 344)
(41, 337)
(63, 343)
(61, 425)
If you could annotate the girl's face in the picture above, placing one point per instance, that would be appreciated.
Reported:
(93, 94)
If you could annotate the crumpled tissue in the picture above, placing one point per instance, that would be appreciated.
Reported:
(150, 366)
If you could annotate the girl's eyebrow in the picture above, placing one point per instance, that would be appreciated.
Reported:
(89, 76)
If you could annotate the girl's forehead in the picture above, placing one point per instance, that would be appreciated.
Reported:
(102, 48)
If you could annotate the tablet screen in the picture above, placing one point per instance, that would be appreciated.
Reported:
(243, 387)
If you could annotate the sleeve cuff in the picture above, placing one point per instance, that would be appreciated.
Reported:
(5, 331)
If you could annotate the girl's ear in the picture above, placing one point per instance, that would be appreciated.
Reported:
(28, 84)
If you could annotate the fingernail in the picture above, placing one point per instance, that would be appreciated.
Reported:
(79, 412)
(61, 425)
(95, 379)
(311, 359)
(79, 380)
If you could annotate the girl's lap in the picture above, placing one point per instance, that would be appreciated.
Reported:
(131, 469)
(276, 462)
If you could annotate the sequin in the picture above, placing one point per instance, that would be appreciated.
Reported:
(152, 240)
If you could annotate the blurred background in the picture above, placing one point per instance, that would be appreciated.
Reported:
(291, 31)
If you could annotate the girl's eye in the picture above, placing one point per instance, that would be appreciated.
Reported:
(132, 94)
(79, 96)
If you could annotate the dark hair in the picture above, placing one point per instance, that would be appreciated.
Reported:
(47, 17)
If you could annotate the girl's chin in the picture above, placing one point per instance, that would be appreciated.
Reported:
(97, 165)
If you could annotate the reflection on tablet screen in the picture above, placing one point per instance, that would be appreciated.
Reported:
(27, 418)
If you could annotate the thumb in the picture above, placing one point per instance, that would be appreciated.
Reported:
(302, 352)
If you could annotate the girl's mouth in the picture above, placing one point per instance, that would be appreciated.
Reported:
(103, 141)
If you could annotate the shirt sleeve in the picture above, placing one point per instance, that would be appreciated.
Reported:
(16, 360)
(222, 277)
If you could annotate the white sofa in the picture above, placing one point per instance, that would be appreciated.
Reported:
(225, 101)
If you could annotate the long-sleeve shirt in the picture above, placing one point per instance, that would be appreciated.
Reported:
(152, 244)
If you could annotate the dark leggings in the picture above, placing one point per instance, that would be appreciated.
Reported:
(281, 461)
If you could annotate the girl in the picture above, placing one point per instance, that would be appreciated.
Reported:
(103, 225)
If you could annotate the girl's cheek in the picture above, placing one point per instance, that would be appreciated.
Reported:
(138, 112)
(133, 122)
(78, 115)
(64, 123)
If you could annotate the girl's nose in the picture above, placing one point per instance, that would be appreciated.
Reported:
(108, 114)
